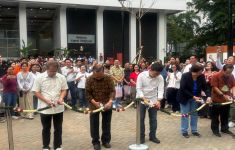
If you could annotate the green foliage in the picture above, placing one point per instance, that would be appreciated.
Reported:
(214, 31)
(62, 53)
(182, 30)
(24, 51)
(187, 28)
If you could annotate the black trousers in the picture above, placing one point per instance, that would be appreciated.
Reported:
(46, 120)
(171, 98)
(106, 127)
(221, 112)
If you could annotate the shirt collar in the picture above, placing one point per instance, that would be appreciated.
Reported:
(46, 75)
(147, 73)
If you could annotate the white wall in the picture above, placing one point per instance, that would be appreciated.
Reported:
(23, 25)
(160, 4)
(60, 29)
(99, 35)
(161, 36)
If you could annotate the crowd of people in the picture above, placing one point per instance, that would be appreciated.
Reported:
(178, 87)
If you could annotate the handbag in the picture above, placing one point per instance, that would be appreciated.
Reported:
(118, 89)
(127, 90)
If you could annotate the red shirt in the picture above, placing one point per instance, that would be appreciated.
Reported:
(134, 76)
(221, 83)
(9, 84)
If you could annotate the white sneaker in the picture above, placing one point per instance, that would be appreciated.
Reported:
(59, 149)
(15, 117)
(231, 124)
(45, 149)
(2, 120)
(114, 106)
(30, 117)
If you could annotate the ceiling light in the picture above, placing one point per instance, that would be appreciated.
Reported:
(40, 8)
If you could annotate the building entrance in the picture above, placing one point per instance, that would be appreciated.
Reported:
(40, 25)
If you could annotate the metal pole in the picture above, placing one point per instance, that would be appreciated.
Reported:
(9, 129)
(230, 29)
(138, 146)
(138, 122)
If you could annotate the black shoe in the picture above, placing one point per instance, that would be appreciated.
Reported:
(217, 134)
(185, 135)
(142, 141)
(106, 145)
(196, 134)
(97, 147)
(227, 132)
(155, 140)
(46, 148)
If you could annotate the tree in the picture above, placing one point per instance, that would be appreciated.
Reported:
(182, 31)
(214, 30)
(187, 27)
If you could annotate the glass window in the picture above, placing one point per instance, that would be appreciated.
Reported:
(40, 28)
(9, 30)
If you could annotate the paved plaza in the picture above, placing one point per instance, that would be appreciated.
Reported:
(76, 135)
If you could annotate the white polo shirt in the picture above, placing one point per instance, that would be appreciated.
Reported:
(50, 88)
(69, 77)
(150, 88)
(82, 81)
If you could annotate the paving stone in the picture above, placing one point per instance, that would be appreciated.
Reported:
(76, 133)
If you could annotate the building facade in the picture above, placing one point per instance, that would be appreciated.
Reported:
(97, 28)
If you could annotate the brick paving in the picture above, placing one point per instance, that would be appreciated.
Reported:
(76, 136)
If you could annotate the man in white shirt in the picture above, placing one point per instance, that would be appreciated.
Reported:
(50, 88)
(70, 74)
(150, 85)
(193, 61)
(81, 82)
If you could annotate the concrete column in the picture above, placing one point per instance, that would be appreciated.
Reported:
(63, 28)
(132, 35)
(99, 35)
(60, 29)
(23, 25)
(161, 36)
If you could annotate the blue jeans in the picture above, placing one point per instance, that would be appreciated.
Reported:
(152, 121)
(191, 105)
(10, 100)
(72, 88)
(116, 102)
(81, 97)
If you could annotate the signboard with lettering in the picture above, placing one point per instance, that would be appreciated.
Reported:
(81, 38)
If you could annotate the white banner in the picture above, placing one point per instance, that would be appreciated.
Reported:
(81, 38)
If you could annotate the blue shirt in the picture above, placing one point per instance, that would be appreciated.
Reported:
(195, 87)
